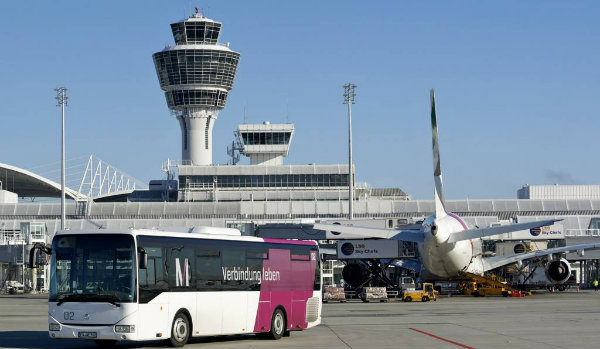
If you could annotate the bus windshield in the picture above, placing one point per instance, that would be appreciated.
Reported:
(93, 268)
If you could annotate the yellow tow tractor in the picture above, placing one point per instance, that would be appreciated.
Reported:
(424, 295)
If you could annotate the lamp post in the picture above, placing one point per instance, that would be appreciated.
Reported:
(23, 263)
(61, 97)
(349, 95)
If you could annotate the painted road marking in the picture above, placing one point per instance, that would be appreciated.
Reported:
(441, 338)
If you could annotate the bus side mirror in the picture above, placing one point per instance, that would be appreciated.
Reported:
(32, 261)
(143, 258)
(37, 246)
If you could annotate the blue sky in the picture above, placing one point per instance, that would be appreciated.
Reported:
(516, 82)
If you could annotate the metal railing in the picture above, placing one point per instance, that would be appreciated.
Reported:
(11, 237)
(205, 43)
(582, 232)
(199, 186)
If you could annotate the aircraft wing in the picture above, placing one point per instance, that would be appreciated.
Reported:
(495, 262)
(476, 233)
(339, 232)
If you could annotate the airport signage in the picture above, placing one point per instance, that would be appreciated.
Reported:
(553, 232)
(367, 249)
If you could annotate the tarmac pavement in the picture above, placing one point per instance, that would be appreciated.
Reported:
(559, 320)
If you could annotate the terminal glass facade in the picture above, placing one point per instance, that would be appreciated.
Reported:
(266, 181)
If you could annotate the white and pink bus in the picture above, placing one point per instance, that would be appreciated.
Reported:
(110, 285)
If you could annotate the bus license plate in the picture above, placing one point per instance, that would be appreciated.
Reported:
(88, 334)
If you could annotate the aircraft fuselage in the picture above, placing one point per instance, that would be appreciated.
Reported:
(443, 259)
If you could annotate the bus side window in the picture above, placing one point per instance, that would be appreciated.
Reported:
(301, 265)
(317, 285)
(254, 260)
(208, 269)
(234, 259)
(180, 275)
(152, 279)
(301, 253)
(148, 275)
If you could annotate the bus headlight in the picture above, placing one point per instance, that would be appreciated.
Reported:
(54, 327)
(125, 328)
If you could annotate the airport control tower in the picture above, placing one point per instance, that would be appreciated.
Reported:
(265, 144)
(196, 75)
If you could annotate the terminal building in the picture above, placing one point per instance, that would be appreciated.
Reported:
(264, 197)
(266, 178)
(559, 192)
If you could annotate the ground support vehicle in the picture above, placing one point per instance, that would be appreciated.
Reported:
(447, 287)
(368, 294)
(334, 294)
(426, 294)
(406, 282)
(483, 286)
(14, 287)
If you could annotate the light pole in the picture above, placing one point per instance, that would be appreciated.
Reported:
(61, 97)
(23, 263)
(349, 95)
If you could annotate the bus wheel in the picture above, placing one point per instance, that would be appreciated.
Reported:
(425, 299)
(408, 299)
(180, 331)
(278, 324)
(105, 343)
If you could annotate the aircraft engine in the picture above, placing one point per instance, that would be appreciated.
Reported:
(558, 271)
(354, 274)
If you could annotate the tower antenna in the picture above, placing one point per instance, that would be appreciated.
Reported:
(287, 111)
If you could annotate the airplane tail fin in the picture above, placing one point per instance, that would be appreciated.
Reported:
(440, 206)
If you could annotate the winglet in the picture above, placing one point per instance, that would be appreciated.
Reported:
(440, 207)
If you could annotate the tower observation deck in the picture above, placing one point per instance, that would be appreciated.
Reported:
(265, 144)
(196, 75)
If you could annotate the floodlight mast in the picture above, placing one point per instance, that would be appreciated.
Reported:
(349, 94)
(61, 97)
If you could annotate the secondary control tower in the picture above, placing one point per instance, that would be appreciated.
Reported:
(196, 75)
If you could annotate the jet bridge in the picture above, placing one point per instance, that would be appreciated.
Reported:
(368, 262)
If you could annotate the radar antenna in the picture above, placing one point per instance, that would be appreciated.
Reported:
(235, 149)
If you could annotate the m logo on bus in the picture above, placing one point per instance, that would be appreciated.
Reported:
(182, 276)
